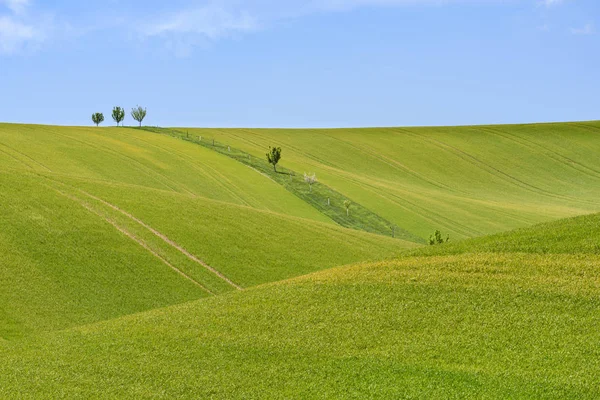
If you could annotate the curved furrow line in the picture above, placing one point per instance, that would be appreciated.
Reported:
(558, 157)
(418, 210)
(197, 168)
(393, 163)
(17, 159)
(499, 173)
(26, 156)
(137, 164)
(134, 238)
(589, 128)
(243, 138)
(165, 239)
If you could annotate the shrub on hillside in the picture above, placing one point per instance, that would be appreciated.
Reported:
(437, 238)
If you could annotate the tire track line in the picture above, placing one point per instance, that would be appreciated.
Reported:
(166, 240)
(495, 171)
(17, 159)
(187, 159)
(26, 156)
(150, 173)
(391, 162)
(134, 238)
(558, 157)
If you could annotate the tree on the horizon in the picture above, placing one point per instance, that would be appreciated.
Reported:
(138, 114)
(97, 118)
(273, 156)
(118, 114)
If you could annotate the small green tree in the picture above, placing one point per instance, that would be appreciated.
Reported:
(310, 179)
(437, 238)
(347, 204)
(118, 114)
(97, 118)
(138, 114)
(273, 156)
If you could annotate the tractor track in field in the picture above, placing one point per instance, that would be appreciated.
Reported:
(490, 169)
(17, 159)
(154, 175)
(26, 156)
(165, 239)
(134, 238)
(189, 160)
(369, 151)
(550, 153)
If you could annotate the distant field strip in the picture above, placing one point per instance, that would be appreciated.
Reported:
(323, 198)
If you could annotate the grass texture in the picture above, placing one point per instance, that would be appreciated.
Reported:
(465, 181)
(507, 324)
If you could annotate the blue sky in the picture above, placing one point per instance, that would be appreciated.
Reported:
(301, 63)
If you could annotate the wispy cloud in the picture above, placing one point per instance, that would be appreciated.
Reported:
(16, 6)
(14, 35)
(225, 18)
(212, 21)
(550, 3)
(19, 29)
(587, 29)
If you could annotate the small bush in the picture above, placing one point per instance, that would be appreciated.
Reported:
(437, 238)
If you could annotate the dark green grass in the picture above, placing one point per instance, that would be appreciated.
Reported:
(322, 197)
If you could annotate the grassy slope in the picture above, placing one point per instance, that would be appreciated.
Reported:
(132, 157)
(578, 235)
(62, 266)
(498, 322)
(468, 181)
(322, 197)
(65, 263)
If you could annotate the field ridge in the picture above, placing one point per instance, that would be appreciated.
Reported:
(323, 198)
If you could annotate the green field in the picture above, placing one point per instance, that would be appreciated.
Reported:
(135, 264)
(482, 324)
(467, 181)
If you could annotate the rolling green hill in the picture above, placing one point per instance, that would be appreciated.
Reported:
(467, 181)
(501, 322)
(136, 264)
(99, 223)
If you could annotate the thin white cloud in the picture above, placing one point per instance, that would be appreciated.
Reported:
(21, 28)
(587, 29)
(550, 3)
(212, 21)
(16, 6)
(215, 19)
(15, 35)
